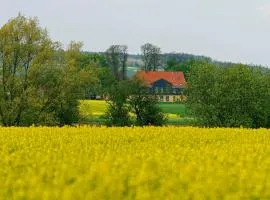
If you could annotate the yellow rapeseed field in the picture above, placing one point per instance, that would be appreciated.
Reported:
(134, 163)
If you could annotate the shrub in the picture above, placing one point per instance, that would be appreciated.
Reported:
(117, 113)
(131, 96)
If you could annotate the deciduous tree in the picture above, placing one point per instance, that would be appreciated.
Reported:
(40, 82)
(151, 56)
(117, 60)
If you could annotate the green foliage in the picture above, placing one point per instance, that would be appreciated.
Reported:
(182, 68)
(231, 97)
(172, 59)
(95, 69)
(117, 113)
(40, 83)
(145, 106)
(131, 96)
(184, 64)
(87, 57)
(75, 79)
(24, 49)
(105, 81)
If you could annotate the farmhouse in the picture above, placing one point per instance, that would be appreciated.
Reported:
(168, 86)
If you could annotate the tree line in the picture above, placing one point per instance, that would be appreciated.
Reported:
(41, 82)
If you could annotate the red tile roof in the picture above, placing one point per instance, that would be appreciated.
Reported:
(177, 79)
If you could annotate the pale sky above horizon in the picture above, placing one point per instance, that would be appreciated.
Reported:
(225, 30)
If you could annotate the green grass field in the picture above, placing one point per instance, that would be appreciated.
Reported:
(174, 108)
(92, 111)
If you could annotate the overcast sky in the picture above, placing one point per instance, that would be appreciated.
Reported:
(226, 30)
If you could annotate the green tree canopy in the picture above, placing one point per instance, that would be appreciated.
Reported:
(231, 97)
(39, 82)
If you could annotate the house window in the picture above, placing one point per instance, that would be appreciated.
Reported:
(161, 90)
(156, 90)
(161, 98)
(167, 98)
(167, 90)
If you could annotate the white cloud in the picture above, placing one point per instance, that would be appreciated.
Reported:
(264, 9)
